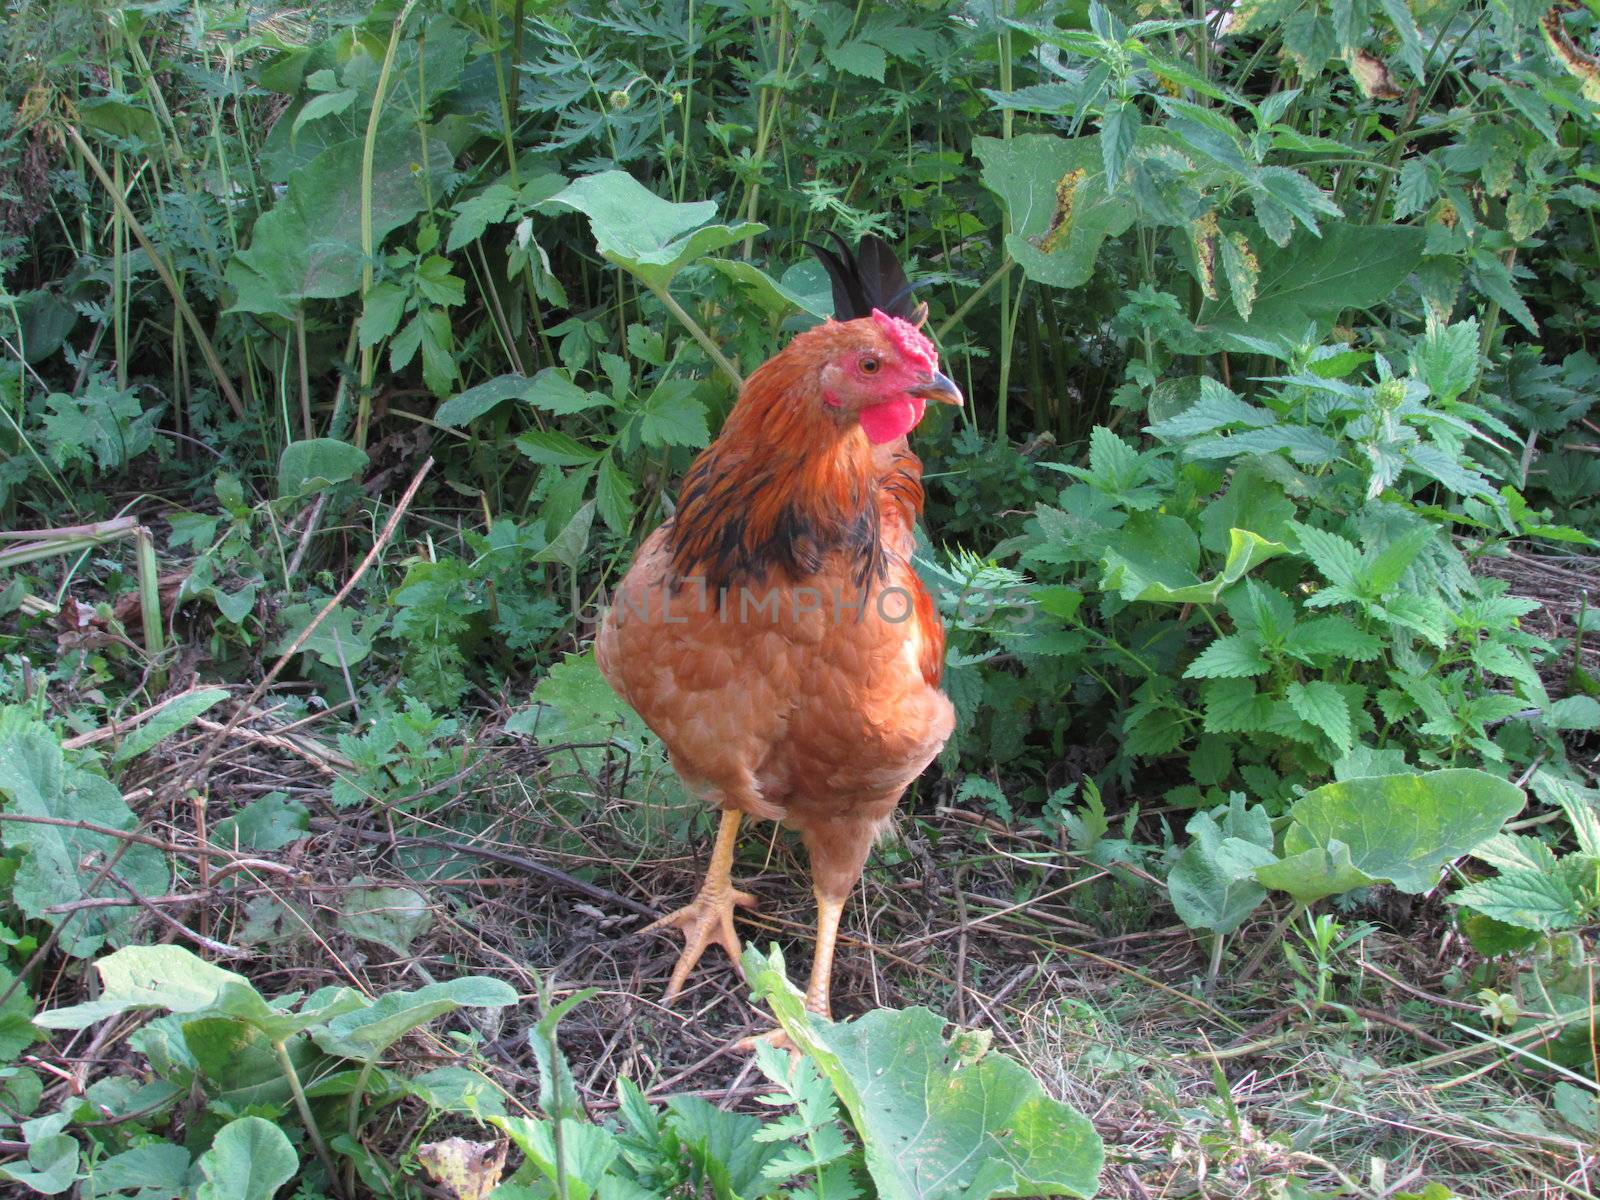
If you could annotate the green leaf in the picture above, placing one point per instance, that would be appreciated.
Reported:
(390, 916)
(366, 1033)
(381, 310)
(471, 404)
(1033, 173)
(1445, 358)
(553, 391)
(636, 229)
(937, 1121)
(1322, 705)
(1313, 874)
(1338, 560)
(558, 1091)
(568, 546)
(157, 1171)
(59, 861)
(477, 213)
(1146, 561)
(1575, 712)
(553, 448)
(1404, 828)
(1235, 656)
(269, 823)
(308, 246)
(1526, 898)
(858, 58)
(138, 977)
(1211, 884)
(674, 417)
(724, 1145)
(1242, 270)
(315, 465)
(174, 715)
(1314, 279)
(52, 1156)
(249, 1159)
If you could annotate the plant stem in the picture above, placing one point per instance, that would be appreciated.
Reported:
(699, 334)
(224, 384)
(368, 357)
(292, 1077)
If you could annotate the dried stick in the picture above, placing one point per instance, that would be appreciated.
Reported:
(365, 565)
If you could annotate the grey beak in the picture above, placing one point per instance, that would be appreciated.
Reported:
(940, 387)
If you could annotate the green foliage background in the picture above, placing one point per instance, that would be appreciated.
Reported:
(1275, 318)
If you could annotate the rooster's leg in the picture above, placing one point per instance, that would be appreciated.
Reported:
(709, 917)
(828, 912)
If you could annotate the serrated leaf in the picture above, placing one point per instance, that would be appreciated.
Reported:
(59, 861)
(1445, 358)
(674, 416)
(1322, 705)
(1236, 656)
(1525, 898)
(473, 403)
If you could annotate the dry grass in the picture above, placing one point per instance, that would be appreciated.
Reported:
(1198, 1094)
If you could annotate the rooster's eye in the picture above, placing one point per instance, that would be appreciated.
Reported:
(869, 365)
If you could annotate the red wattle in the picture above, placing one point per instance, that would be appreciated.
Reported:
(892, 419)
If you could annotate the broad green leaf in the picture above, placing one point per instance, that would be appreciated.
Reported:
(157, 1171)
(803, 289)
(139, 977)
(587, 1152)
(52, 1164)
(60, 861)
(366, 1033)
(1575, 712)
(636, 229)
(1314, 279)
(17, 1032)
(1404, 828)
(176, 714)
(1211, 884)
(268, 823)
(1146, 561)
(1061, 212)
(390, 916)
(309, 244)
(1526, 898)
(938, 1118)
(249, 1159)
(477, 213)
(335, 643)
(315, 465)
(859, 58)
(1314, 874)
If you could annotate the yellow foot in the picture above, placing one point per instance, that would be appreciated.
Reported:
(707, 919)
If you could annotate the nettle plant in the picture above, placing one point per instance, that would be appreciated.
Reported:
(1276, 591)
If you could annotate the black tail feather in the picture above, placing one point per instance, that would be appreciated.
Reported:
(866, 278)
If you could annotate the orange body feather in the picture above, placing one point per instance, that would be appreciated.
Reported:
(774, 634)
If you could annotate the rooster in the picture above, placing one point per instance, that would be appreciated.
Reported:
(773, 632)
